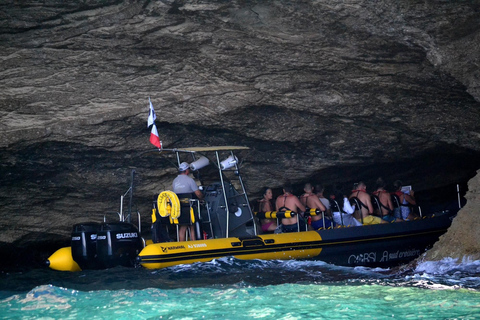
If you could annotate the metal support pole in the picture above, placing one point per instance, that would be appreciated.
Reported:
(227, 209)
(129, 216)
(458, 194)
(244, 191)
(121, 208)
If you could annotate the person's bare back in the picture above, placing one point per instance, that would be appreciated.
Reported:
(310, 200)
(386, 201)
(366, 207)
(289, 202)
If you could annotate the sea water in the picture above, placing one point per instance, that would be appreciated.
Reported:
(234, 289)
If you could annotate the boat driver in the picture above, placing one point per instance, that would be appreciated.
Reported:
(183, 183)
(288, 201)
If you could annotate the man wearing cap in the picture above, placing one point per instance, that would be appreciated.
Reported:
(183, 183)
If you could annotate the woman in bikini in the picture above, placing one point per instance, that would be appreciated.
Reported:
(266, 205)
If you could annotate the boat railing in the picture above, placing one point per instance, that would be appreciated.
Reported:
(315, 212)
(127, 217)
(285, 214)
(357, 207)
(337, 206)
(230, 164)
(397, 204)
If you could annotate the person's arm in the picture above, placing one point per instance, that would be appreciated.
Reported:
(319, 204)
(194, 187)
(199, 194)
(299, 205)
(410, 197)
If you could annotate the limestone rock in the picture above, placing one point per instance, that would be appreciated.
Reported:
(462, 240)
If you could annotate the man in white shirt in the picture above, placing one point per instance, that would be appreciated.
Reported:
(183, 183)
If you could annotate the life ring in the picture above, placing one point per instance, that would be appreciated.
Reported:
(168, 204)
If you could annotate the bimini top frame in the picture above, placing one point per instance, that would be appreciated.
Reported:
(235, 168)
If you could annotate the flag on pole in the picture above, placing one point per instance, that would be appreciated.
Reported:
(154, 138)
(151, 115)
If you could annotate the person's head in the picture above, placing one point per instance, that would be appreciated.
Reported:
(287, 188)
(338, 195)
(361, 186)
(267, 193)
(319, 188)
(308, 187)
(183, 167)
(380, 184)
(398, 185)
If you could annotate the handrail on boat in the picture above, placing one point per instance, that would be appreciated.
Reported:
(221, 171)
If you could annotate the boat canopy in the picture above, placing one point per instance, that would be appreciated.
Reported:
(207, 149)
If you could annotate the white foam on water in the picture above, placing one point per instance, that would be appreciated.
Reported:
(448, 265)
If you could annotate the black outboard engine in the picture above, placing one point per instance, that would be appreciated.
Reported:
(118, 243)
(84, 244)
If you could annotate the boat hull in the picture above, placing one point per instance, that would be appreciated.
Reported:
(373, 245)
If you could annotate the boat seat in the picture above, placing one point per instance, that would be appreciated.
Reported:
(398, 204)
(358, 206)
(395, 201)
(188, 209)
(335, 207)
(189, 212)
(377, 206)
(159, 226)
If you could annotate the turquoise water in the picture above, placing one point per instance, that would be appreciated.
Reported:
(234, 289)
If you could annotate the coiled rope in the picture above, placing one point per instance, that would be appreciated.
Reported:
(168, 204)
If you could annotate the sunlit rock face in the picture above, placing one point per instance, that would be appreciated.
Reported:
(329, 91)
(462, 240)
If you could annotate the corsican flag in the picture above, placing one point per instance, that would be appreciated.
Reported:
(151, 115)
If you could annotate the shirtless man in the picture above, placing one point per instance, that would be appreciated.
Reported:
(364, 214)
(288, 201)
(386, 205)
(310, 200)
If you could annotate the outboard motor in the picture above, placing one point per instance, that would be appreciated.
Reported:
(118, 243)
(84, 244)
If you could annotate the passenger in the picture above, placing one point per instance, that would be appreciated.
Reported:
(364, 214)
(319, 189)
(386, 205)
(288, 201)
(184, 184)
(266, 205)
(406, 199)
(343, 213)
(310, 200)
